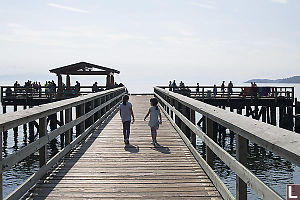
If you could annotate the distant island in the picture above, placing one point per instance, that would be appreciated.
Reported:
(294, 79)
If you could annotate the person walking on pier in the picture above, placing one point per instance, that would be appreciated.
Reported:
(126, 112)
(174, 86)
(77, 88)
(154, 113)
(198, 89)
(170, 85)
(215, 90)
(229, 90)
(223, 87)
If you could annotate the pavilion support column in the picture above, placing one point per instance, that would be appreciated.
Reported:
(68, 82)
(112, 80)
(60, 85)
(107, 81)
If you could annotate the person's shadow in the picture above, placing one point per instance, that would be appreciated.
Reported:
(162, 149)
(131, 148)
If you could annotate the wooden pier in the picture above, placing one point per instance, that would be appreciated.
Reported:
(95, 163)
(273, 105)
(104, 168)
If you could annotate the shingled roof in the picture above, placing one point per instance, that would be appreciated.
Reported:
(83, 68)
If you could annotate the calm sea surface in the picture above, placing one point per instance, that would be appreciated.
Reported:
(270, 168)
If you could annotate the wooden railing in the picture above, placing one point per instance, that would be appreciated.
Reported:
(11, 92)
(102, 105)
(237, 92)
(181, 110)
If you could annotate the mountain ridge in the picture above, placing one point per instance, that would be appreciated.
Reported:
(293, 79)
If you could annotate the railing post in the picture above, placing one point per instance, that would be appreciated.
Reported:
(185, 128)
(97, 114)
(67, 120)
(43, 132)
(193, 120)
(62, 137)
(82, 112)
(209, 132)
(241, 156)
(171, 101)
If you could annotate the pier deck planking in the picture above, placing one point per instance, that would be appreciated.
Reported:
(104, 168)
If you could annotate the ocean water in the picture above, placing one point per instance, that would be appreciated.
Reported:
(270, 168)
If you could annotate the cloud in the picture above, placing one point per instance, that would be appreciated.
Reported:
(207, 5)
(280, 1)
(67, 8)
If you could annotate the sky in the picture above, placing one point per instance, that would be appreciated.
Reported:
(151, 41)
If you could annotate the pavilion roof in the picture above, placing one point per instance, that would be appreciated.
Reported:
(84, 68)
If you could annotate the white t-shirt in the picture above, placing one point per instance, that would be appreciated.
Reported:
(126, 111)
(153, 122)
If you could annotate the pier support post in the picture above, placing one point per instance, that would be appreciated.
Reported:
(231, 132)
(273, 115)
(241, 156)
(281, 116)
(67, 120)
(16, 128)
(4, 109)
(42, 132)
(209, 132)
(31, 129)
(264, 114)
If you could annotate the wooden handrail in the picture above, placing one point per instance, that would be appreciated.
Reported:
(111, 99)
(283, 142)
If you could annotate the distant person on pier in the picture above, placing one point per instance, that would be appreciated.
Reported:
(16, 87)
(155, 119)
(95, 87)
(198, 89)
(181, 85)
(53, 88)
(174, 86)
(77, 88)
(40, 89)
(223, 87)
(47, 89)
(170, 85)
(8, 92)
(215, 90)
(126, 112)
(230, 86)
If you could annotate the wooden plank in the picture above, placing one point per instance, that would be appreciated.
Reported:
(103, 167)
